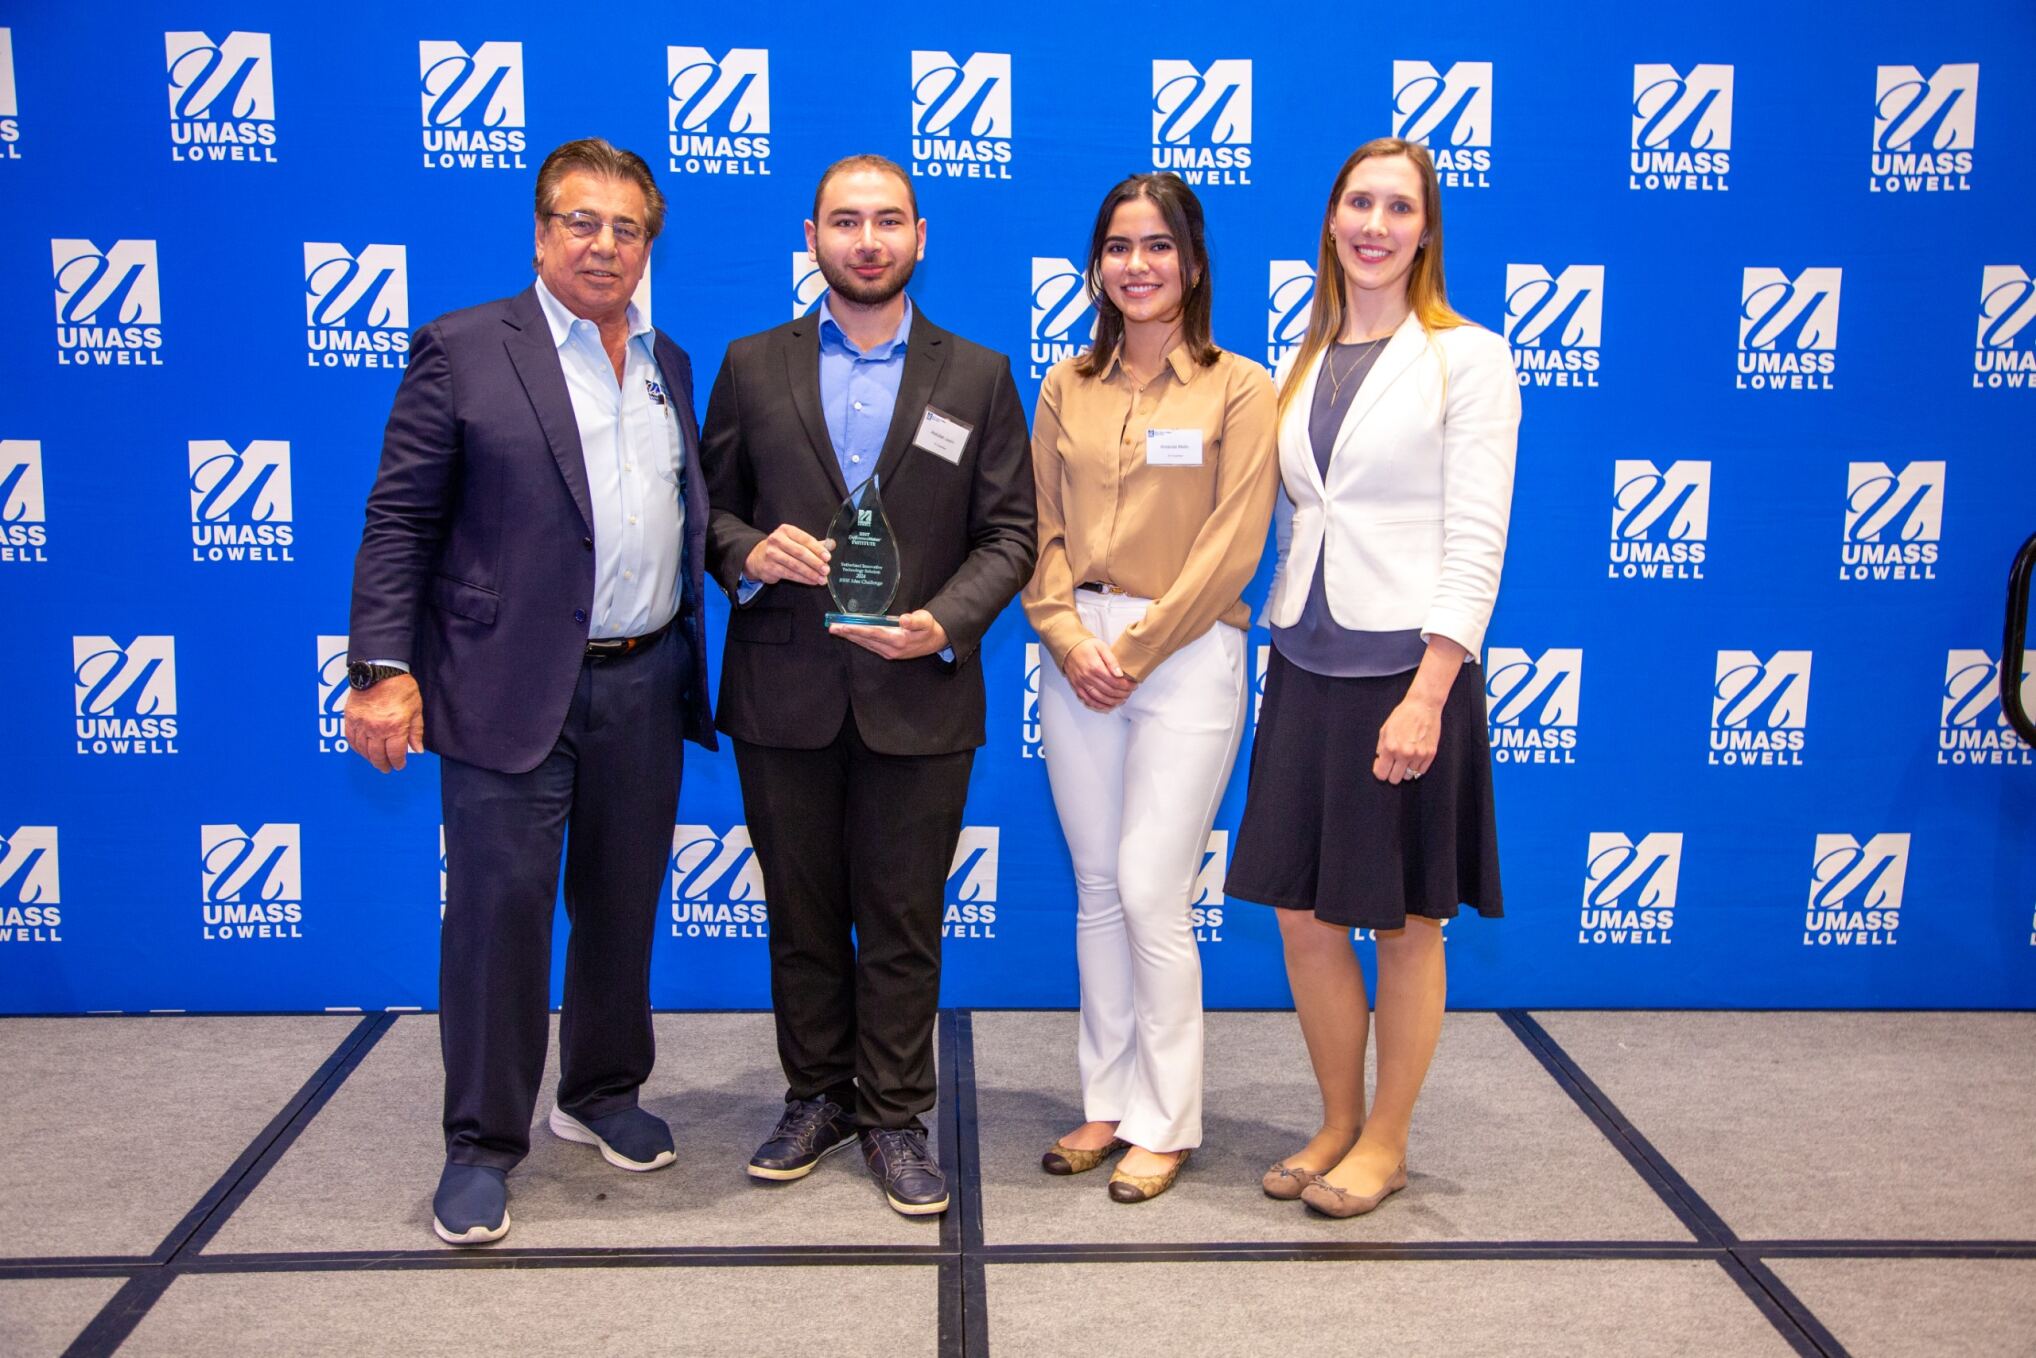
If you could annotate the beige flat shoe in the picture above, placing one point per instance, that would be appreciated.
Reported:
(1062, 1159)
(1144, 1187)
(1285, 1181)
(1332, 1201)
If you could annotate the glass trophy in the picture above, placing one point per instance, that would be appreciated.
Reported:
(863, 574)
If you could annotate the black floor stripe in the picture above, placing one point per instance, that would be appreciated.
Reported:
(950, 1339)
(975, 1314)
(1675, 1192)
(1783, 1308)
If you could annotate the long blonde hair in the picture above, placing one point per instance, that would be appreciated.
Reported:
(1427, 298)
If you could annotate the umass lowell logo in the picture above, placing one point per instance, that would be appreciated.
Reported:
(31, 902)
(1206, 902)
(1760, 708)
(1788, 330)
(332, 691)
(253, 884)
(1290, 297)
(1661, 520)
(1894, 521)
(10, 109)
(222, 98)
(1555, 323)
(809, 285)
(718, 111)
(961, 116)
(1201, 120)
(1449, 112)
(241, 505)
(472, 105)
(1856, 891)
(24, 520)
(2007, 303)
(1923, 128)
(109, 304)
(357, 306)
(1060, 305)
(1533, 702)
(1682, 129)
(1630, 888)
(125, 697)
(1030, 737)
(1973, 727)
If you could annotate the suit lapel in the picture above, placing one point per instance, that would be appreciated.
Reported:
(802, 376)
(535, 358)
(924, 355)
(1407, 345)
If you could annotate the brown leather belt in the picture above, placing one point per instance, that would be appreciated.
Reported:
(614, 648)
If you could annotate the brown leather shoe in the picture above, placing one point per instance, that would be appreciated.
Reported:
(1144, 1187)
(1285, 1181)
(1063, 1159)
(1332, 1201)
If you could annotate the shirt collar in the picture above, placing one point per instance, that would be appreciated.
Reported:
(831, 333)
(1177, 358)
(562, 320)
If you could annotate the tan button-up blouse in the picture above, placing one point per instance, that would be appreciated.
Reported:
(1188, 538)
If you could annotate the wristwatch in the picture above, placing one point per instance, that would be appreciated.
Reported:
(360, 674)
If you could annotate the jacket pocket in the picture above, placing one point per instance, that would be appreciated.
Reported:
(465, 600)
(768, 625)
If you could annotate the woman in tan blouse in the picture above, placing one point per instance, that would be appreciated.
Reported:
(1156, 468)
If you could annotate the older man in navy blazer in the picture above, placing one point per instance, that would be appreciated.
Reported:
(526, 604)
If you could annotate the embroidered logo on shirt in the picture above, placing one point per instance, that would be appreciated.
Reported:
(654, 391)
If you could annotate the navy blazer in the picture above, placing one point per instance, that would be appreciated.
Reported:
(477, 563)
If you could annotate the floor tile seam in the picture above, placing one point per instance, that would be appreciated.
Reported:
(705, 1256)
(202, 1224)
(1807, 1334)
(111, 1325)
(1675, 1191)
(1277, 1251)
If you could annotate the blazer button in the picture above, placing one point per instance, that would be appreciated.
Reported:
(588, 543)
(579, 615)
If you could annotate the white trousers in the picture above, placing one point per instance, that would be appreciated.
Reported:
(1136, 789)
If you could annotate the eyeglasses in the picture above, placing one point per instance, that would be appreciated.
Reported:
(586, 226)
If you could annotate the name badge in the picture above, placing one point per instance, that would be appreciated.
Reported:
(1173, 447)
(942, 435)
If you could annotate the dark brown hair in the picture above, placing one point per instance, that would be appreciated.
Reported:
(866, 161)
(1182, 212)
(598, 157)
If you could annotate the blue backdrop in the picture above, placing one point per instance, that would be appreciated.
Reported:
(1766, 275)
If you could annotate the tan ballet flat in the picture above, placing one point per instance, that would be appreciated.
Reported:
(1064, 1159)
(1285, 1181)
(1144, 1187)
(1332, 1201)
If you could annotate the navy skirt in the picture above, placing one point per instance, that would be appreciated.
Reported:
(1321, 833)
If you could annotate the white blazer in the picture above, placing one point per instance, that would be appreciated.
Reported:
(1413, 512)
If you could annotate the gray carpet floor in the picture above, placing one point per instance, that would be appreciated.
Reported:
(1533, 1309)
(1531, 1226)
(1814, 1126)
(718, 1085)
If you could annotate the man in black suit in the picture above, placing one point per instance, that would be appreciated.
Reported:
(854, 744)
(526, 604)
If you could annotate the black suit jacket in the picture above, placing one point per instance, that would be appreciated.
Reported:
(965, 534)
(477, 563)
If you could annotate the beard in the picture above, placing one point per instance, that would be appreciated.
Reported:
(841, 281)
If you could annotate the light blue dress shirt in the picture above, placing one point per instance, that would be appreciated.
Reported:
(634, 452)
(858, 391)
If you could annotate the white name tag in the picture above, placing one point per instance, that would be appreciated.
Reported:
(1173, 447)
(942, 435)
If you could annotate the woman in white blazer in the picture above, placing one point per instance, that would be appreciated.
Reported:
(1370, 803)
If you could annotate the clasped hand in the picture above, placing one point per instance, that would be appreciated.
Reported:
(1095, 676)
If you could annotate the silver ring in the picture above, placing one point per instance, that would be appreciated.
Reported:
(1413, 773)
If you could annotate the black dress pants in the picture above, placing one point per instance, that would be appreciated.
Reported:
(850, 839)
(607, 793)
